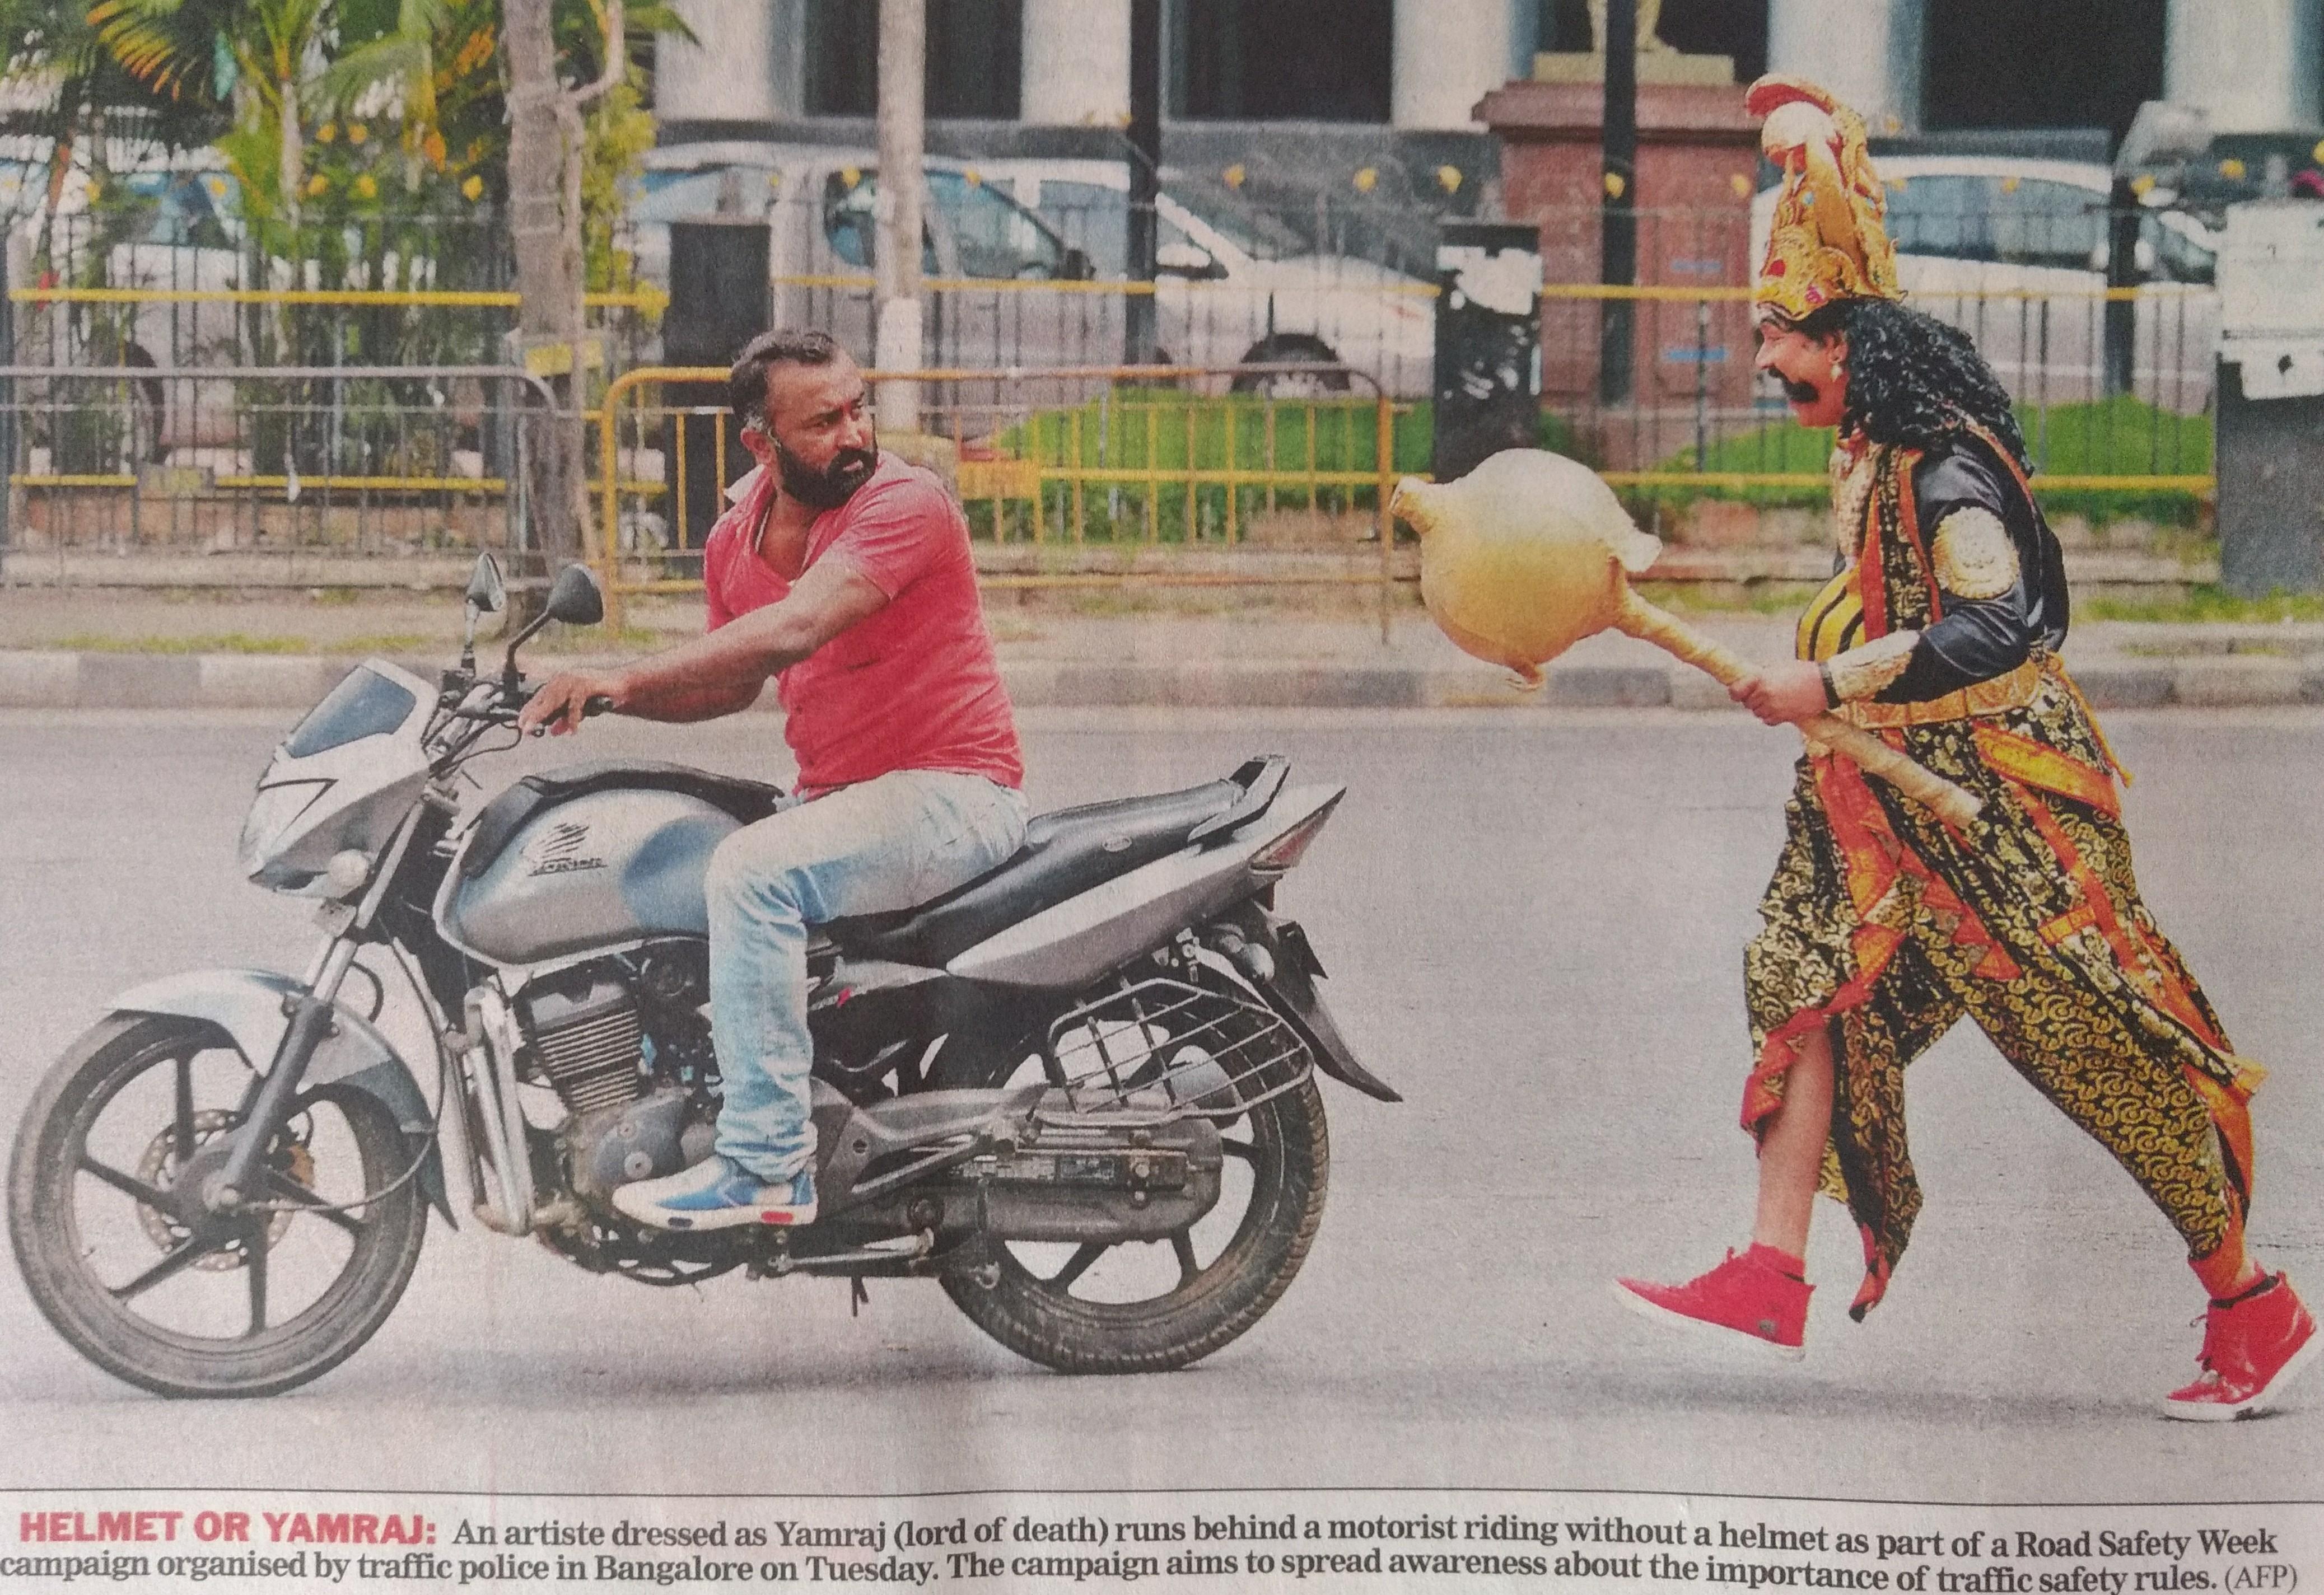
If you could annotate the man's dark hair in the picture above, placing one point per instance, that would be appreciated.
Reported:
(746, 385)
(1911, 380)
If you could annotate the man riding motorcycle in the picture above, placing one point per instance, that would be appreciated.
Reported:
(846, 577)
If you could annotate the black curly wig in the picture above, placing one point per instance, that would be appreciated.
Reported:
(1911, 380)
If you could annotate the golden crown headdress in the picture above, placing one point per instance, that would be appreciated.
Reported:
(1827, 242)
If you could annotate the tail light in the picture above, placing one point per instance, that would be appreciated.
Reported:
(1287, 849)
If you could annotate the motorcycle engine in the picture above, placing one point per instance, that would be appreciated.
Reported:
(623, 1043)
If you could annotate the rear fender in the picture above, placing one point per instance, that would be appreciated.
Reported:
(1291, 991)
(247, 1004)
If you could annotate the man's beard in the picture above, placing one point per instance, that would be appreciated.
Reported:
(1799, 392)
(834, 484)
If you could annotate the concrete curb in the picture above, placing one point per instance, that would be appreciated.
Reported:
(39, 679)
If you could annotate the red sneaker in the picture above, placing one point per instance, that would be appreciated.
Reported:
(1749, 1295)
(2253, 1347)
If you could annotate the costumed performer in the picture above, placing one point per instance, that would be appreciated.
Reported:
(1884, 926)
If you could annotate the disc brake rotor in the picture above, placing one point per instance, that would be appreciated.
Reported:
(159, 1169)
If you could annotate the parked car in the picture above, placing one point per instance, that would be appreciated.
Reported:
(2015, 253)
(1230, 291)
(1243, 287)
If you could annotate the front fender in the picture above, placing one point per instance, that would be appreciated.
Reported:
(247, 1005)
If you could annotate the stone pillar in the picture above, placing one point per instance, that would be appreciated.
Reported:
(1697, 154)
(2253, 65)
(728, 76)
(1868, 52)
(1076, 63)
(1448, 54)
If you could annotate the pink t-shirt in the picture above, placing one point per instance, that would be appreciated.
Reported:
(913, 685)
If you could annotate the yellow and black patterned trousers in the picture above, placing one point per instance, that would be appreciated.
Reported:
(1884, 927)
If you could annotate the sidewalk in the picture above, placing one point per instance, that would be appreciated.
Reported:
(74, 649)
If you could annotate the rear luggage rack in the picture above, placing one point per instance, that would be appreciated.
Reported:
(1162, 1048)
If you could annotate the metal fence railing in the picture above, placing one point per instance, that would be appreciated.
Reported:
(1127, 457)
(1695, 407)
(350, 460)
(228, 326)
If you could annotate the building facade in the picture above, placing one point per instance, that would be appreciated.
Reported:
(1015, 70)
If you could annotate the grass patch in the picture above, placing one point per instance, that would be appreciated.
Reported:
(404, 642)
(2118, 437)
(2206, 602)
(1137, 429)
(1773, 599)
(585, 640)
(202, 642)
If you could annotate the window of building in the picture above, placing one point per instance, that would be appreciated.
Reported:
(1282, 60)
(975, 58)
(2041, 63)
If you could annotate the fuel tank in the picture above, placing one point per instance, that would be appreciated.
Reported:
(595, 871)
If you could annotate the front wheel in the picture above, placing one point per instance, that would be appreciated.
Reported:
(1147, 1306)
(120, 1256)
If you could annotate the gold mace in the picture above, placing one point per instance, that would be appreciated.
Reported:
(1530, 553)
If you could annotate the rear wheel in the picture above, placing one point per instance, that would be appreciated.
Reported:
(122, 1259)
(1150, 1306)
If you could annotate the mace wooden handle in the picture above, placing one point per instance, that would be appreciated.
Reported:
(1637, 618)
(1951, 804)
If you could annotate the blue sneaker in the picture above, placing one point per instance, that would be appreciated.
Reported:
(717, 1193)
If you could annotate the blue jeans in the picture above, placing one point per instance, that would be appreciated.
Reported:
(884, 844)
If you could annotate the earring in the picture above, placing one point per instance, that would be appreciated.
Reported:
(1838, 369)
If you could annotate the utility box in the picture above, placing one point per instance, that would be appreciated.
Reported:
(719, 301)
(1487, 344)
(2270, 398)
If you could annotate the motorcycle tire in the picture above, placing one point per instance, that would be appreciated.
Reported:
(1035, 1311)
(100, 1262)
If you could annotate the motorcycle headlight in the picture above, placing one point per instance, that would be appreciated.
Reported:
(272, 812)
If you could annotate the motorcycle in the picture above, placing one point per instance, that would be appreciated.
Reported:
(1079, 1091)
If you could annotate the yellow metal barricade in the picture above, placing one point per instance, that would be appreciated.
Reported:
(1122, 457)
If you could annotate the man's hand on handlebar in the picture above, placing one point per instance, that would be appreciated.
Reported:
(564, 699)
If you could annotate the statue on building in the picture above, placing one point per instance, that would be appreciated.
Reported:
(1659, 61)
(1650, 16)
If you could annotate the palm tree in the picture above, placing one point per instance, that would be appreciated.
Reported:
(266, 53)
(62, 81)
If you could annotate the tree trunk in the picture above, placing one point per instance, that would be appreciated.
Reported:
(544, 182)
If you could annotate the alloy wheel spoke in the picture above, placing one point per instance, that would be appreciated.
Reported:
(1245, 1150)
(306, 1201)
(253, 1251)
(1077, 1264)
(128, 1185)
(182, 1126)
(1182, 1244)
(174, 1262)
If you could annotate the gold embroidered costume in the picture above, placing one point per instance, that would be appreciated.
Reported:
(1887, 926)
(1884, 925)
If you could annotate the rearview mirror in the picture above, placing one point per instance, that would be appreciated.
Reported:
(1188, 260)
(488, 593)
(575, 598)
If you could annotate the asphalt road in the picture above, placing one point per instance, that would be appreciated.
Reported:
(1533, 924)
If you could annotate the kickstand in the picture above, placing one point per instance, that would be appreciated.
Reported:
(858, 1298)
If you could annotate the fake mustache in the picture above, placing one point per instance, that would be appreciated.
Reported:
(1799, 392)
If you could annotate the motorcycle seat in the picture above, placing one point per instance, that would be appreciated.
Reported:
(506, 815)
(1066, 851)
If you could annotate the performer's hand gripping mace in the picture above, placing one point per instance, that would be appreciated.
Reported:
(1525, 556)
(1637, 618)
